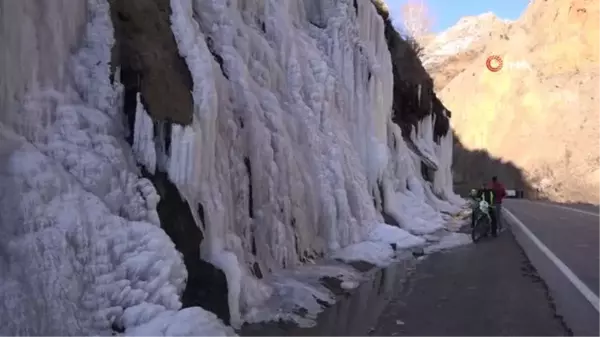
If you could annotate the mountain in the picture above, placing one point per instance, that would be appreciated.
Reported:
(540, 111)
(447, 54)
(178, 167)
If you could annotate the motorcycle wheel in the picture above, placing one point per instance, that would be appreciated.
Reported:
(480, 229)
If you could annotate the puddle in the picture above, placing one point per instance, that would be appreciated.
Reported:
(355, 312)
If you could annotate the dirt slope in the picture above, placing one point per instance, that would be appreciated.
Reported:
(543, 117)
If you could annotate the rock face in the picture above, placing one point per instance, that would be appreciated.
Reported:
(540, 111)
(146, 54)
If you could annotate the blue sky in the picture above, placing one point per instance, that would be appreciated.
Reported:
(447, 12)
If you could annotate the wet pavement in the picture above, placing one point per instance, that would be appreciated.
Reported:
(487, 289)
(355, 312)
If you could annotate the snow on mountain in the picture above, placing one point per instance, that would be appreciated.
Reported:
(447, 54)
(289, 137)
(461, 37)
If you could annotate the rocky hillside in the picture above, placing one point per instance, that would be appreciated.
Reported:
(542, 114)
(449, 53)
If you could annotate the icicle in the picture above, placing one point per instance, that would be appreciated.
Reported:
(178, 157)
(143, 138)
(182, 161)
(162, 157)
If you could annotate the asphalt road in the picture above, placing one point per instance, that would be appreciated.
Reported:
(562, 242)
(570, 232)
(483, 289)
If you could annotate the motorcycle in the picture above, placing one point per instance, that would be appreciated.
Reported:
(482, 223)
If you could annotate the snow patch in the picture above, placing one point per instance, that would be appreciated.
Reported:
(380, 249)
(394, 235)
(448, 241)
(298, 295)
(377, 253)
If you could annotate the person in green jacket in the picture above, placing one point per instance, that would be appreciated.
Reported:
(487, 194)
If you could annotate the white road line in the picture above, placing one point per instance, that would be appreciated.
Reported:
(585, 291)
(564, 207)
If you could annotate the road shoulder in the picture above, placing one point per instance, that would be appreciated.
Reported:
(574, 300)
(485, 289)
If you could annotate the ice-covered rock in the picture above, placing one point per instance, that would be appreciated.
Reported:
(288, 139)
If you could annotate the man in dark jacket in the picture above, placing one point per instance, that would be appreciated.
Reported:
(499, 194)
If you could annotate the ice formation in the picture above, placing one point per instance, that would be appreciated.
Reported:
(291, 126)
(143, 146)
(291, 135)
(81, 244)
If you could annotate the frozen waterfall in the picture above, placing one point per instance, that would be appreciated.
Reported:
(291, 135)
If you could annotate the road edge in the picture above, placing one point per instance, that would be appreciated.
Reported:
(574, 301)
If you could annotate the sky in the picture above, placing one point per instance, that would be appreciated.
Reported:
(446, 13)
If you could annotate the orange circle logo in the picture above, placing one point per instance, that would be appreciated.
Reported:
(494, 63)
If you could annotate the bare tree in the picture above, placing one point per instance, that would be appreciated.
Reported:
(416, 19)
(415, 22)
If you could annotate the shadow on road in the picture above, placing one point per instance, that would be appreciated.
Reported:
(586, 207)
(592, 209)
(581, 205)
